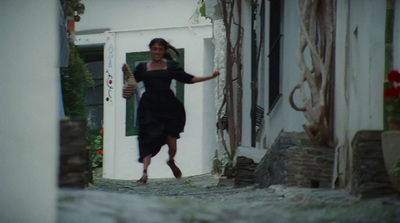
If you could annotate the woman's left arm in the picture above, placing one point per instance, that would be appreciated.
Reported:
(197, 79)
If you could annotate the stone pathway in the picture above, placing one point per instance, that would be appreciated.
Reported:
(199, 199)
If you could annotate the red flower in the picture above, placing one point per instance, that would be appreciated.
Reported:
(392, 92)
(393, 76)
(100, 152)
(102, 131)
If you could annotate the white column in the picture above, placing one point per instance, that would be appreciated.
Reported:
(109, 161)
(29, 89)
(359, 76)
(341, 94)
(246, 74)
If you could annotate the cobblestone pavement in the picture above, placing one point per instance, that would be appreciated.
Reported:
(199, 199)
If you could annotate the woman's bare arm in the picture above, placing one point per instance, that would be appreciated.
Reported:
(197, 79)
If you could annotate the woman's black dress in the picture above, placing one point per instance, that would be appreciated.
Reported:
(160, 113)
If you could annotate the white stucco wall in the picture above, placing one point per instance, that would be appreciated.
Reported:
(137, 14)
(359, 67)
(132, 25)
(359, 74)
(246, 74)
(209, 108)
(283, 116)
(341, 96)
(366, 64)
(30, 80)
(219, 39)
(121, 152)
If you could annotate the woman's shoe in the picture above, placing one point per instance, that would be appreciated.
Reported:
(177, 172)
(142, 180)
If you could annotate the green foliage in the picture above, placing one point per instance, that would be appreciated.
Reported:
(392, 107)
(95, 143)
(203, 9)
(223, 165)
(256, 186)
(74, 8)
(75, 80)
(395, 170)
(229, 170)
(188, 183)
(218, 165)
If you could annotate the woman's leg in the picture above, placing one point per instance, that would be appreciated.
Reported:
(171, 141)
(146, 163)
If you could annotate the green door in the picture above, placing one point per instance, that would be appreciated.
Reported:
(133, 59)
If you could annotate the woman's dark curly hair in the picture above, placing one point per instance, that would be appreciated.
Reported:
(168, 48)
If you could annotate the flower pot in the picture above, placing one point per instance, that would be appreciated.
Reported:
(391, 152)
(393, 124)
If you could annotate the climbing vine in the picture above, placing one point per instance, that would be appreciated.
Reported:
(317, 22)
(230, 111)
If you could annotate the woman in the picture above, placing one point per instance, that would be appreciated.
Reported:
(161, 116)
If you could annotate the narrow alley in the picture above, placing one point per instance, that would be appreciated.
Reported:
(199, 199)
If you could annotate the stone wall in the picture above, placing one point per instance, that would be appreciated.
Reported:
(293, 161)
(244, 169)
(369, 175)
(246, 160)
(75, 171)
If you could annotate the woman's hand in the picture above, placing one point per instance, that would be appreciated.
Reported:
(125, 67)
(206, 78)
(215, 74)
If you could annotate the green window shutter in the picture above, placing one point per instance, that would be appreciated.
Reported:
(133, 59)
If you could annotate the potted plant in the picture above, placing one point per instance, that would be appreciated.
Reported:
(391, 139)
(96, 151)
(392, 100)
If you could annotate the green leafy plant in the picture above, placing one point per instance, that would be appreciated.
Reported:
(392, 95)
(75, 80)
(74, 8)
(395, 170)
(256, 186)
(95, 143)
(202, 9)
(223, 165)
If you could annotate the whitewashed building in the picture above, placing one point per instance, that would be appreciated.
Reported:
(122, 31)
(358, 66)
(29, 145)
